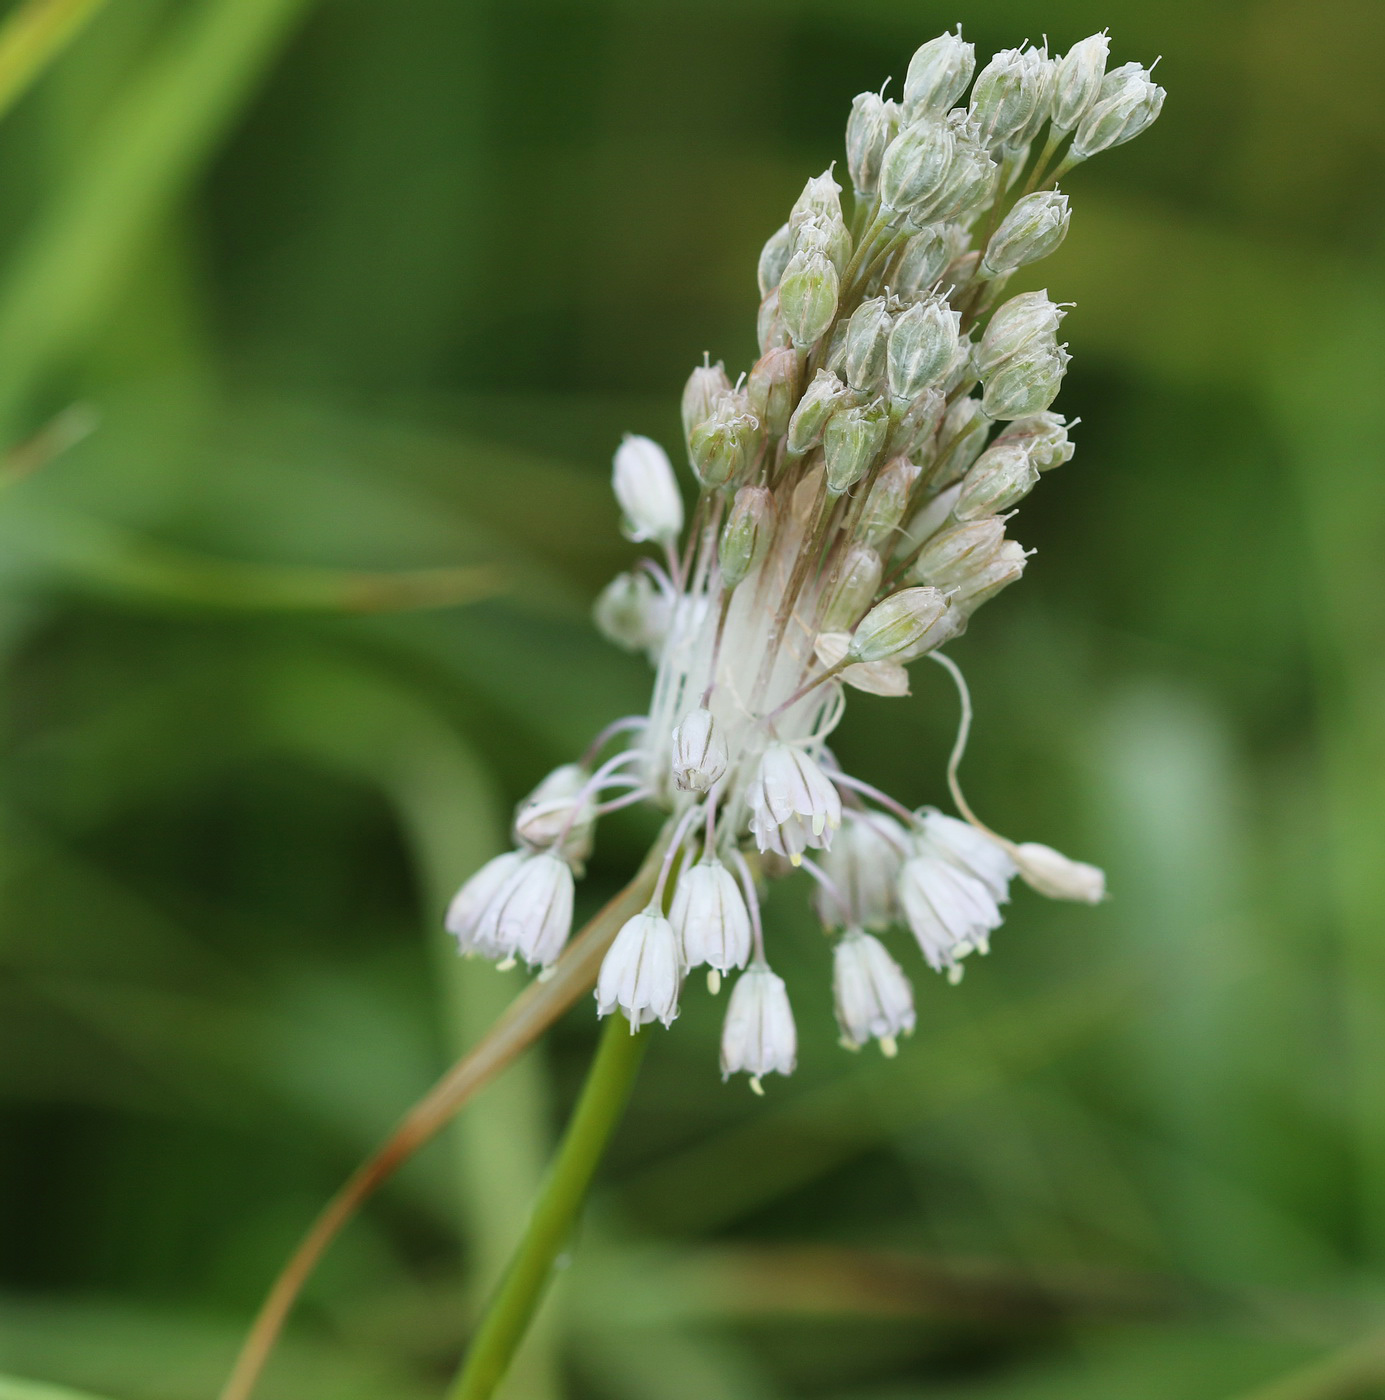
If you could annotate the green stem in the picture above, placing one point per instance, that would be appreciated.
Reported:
(521, 1290)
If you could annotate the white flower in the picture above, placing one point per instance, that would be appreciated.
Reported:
(710, 919)
(1054, 874)
(758, 1036)
(531, 914)
(968, 849)
(948, 911)
(864, 865)
(547, 814)
(640, 973)
(470, 903)
(643, 480)
(699, 752)
(793, 803)
(872, 994)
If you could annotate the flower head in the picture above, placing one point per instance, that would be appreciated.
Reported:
(855, 492)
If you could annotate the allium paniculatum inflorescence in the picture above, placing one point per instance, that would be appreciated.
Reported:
(855, 490)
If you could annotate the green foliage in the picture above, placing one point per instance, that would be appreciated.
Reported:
(355, 302)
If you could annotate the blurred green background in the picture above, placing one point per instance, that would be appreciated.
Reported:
(354, 298)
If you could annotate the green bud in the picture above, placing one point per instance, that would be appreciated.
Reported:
(1077, 81)
(1031, 230)
(632, 613)
(922, 260)
(1127, 103)
(951, 553)
(850, 443)
(885, 505)
(706, 384)
(867, 339)
(1018, 327)
(817, 405)
(923, 344)
(1006, 93)
(774, 258)
(913, 423)
(938, 75)
(1026, 383)
(746, 536)
(872, 125)
(725, 445)
(769, 324)
(897, 624)
(820, 200)
(773, 388)
(852, 589)
(916, 164)
(808, 297)
(1044, 436)
(983, 582)
(1001, 476)
(927, 520)
(970, 186)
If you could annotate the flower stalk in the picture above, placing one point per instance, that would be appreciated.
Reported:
(535, 1261)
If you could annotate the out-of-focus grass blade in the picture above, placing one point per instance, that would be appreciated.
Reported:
(32, 36)
(104, 559)
(67, 271)
(12, 1388)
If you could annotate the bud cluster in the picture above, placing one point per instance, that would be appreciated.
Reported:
(854, 493)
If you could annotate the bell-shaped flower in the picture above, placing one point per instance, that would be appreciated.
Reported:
(871, 993)
(641, 972)
(710, 919)
(758, 1036)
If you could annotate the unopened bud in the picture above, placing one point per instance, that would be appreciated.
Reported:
(1044, 436)
(912, 426)
(1026, 383)
(552, 812)
(1031, 230)
(773, 388)
(982, 582)
(644, 484)
(897, 624)
(632, 613)
(938, 75)
(746, 536)
(916, 164)
(923, 344)
(971, 183)
(1001, 476)
(922, 261)
(706, 384)
(885, 505)
(867, 337)
(953, 552)
(853, 589)
(774, 258)
(770, 329)
(724, 445)
(1054, 874)
(1127, 102)
(821, 199)
(1077, 81)
(872, 125)
(1019, 326)
(1006, 93)
(808, 296)
(960, 439)
(819, 402)
(699, 752)
(851, 441)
